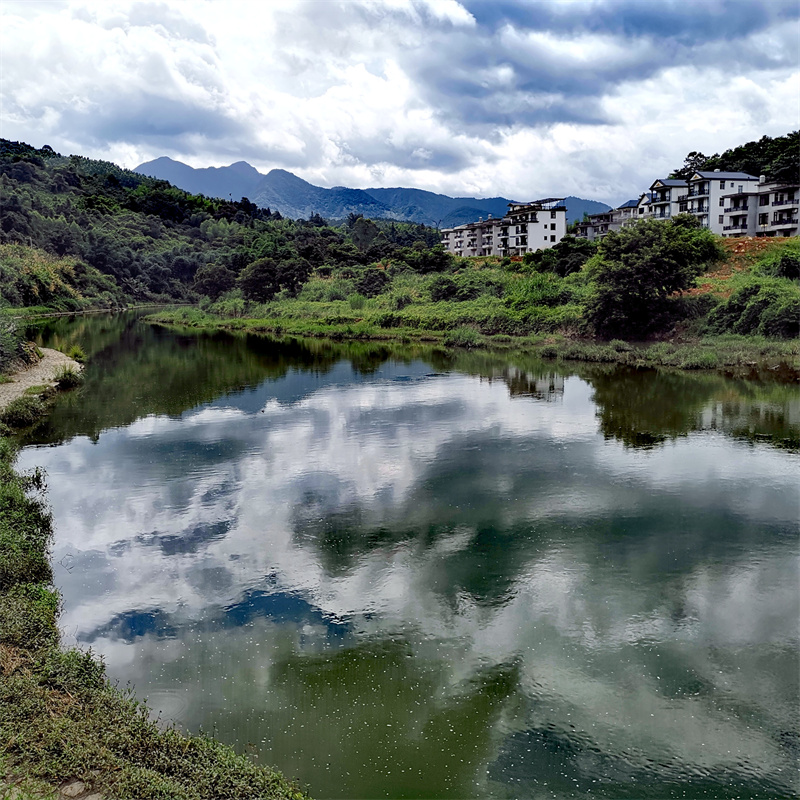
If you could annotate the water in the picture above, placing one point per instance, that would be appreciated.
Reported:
(399, 573)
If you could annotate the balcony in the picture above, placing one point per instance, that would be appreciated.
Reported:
(661, 215)
(699, 210)
(698, 192)
(681, 197)
(735, 210)
(783, 222)
(792, 201)
(741, 226)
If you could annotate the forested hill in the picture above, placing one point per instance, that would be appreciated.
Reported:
(293, 197)
(777, 159)
(73, 228)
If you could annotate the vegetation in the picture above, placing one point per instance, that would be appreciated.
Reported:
(636, 269)
(59, 716)
(80, 232)
(778, 159)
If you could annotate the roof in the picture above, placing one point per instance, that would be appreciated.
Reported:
(629, 204)
(723, 175)
(668, 182)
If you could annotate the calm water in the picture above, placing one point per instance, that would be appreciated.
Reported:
(398, 573)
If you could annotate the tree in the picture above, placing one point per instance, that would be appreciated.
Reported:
(213, 280)
(637, 268)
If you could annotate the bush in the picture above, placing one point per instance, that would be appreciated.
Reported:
(10, 344)
(766, 306)
(637, 268)
(464, 336)
(356, 301)
(22, 412)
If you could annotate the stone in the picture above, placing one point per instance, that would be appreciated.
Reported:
(73, 789)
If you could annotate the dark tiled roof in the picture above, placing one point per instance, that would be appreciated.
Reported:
(668, 182)
(725, 176)
(629, 204)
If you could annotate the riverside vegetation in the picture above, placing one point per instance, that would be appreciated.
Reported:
(77, 233)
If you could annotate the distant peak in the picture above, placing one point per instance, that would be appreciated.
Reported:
(243, 168)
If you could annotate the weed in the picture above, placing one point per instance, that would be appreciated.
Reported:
(67, 377)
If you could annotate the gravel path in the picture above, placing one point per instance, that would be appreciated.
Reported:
(42, 373)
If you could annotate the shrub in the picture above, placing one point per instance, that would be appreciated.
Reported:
(464, 336)
(22, 412)
(356, 301)
(637, 268)
(766, 306)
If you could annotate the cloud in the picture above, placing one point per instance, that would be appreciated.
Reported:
(462, 98)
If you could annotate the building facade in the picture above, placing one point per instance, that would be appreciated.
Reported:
(766, 209)
(526, 227)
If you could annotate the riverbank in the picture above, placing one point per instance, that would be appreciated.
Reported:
(741, 355)
(65, 731)
(43, 374)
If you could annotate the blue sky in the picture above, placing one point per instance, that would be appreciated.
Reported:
(521, 99)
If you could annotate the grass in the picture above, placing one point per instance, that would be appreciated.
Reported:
(23, 412)
(60, 718)
(67, 377)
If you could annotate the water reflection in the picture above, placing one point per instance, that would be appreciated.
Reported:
(420, 577)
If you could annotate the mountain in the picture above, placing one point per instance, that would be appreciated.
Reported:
(293, 197)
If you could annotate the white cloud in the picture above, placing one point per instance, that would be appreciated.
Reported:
(426, 94)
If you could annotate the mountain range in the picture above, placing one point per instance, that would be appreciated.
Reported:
(293, 197)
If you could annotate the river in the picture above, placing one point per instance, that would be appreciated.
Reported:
(406, 573)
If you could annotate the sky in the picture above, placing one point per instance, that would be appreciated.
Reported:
(594, 98)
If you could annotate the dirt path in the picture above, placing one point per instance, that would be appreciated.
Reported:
(42, 373)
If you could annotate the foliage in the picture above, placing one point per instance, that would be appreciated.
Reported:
(764, 306)
(10, 344)
(22, 412)
(637, 268)
(464, 336)
(137, 238)
(564, 258)
(777, 159)
(780, 262)
(67, 377)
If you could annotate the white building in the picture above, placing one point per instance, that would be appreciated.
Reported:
(766, 209)
(708, 192)
(668, 197)
(596, 226)
(526, 227)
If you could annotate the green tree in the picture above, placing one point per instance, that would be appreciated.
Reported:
(214, 280)
(636, 269)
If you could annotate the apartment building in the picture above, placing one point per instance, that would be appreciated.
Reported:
(526, 227)
(708, 191)
(596, 226)
(668, 197)
(766, 209)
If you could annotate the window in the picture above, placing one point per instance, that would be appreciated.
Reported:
(722, 185)
(552, 215)
(721, 219)
(741, 188)
(763, 200)
(763, 219)
(721, 201)
(552, 238)
(552, 226)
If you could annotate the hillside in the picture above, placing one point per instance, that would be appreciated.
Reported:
(81, 230)
(295, 198)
